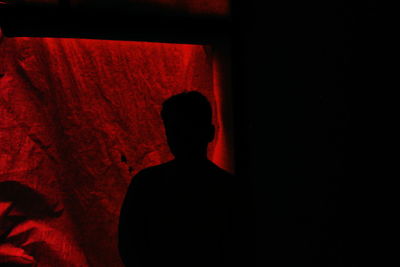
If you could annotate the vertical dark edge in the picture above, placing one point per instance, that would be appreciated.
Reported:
(242, 127)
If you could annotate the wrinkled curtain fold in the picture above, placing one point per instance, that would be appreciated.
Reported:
(78, 118)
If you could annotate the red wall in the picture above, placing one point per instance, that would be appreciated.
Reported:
(70, 111)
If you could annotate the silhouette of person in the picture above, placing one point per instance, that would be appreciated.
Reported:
(179, 213)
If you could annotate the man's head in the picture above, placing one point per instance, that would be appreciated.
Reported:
(188, 124)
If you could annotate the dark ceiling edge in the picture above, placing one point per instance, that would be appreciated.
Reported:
(112, 24)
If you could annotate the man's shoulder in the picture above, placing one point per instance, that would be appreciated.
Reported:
(151, 172)
(156, 168)
(170, 169)
(223, 174)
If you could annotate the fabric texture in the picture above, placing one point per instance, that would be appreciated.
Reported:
(79, 118)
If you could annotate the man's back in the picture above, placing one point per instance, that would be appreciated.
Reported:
(178, 213)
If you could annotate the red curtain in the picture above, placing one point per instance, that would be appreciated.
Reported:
(78, 118)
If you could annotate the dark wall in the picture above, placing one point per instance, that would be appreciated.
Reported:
(305, 68)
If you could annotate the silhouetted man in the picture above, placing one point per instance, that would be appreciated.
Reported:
(179, 213)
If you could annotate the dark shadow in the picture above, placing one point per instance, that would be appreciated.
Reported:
(180, 213)
(25, 204)
(28, 201)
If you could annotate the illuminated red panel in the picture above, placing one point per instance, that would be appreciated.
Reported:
(78, 119)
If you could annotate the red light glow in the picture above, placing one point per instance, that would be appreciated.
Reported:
(78, 119)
